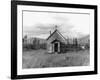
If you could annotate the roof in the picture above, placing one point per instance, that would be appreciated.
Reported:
(55, 41)
(56, 31)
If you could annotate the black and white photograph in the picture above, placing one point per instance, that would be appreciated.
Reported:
(53, 39)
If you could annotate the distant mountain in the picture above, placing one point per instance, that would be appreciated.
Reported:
(84, 40)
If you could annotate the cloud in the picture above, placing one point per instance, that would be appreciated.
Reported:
(44, 29)
(45, 26)
(40, 24)
(61, 19)
(38, 29)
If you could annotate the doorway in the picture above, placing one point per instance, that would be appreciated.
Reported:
(55, 47)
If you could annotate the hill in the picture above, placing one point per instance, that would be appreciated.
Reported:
(84, 40)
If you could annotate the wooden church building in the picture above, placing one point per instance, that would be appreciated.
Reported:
(56, 42)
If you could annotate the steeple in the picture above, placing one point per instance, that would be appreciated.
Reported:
(50, 32)
(56, 27)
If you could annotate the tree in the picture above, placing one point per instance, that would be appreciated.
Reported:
(36, 43)
(68, 41)
(75, 42)
(24, 41)
(25, 38)
(87, 45)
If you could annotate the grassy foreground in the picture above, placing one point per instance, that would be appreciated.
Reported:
(42, 59)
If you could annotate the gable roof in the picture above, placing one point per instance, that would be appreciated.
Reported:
(55, 41)
(56, 31)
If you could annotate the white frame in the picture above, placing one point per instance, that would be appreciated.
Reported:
(53, 70)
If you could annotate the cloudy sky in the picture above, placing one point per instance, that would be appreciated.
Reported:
(39, 24)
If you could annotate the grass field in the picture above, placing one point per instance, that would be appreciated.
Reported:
(42, 59)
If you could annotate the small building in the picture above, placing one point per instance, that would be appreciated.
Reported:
(56, 42)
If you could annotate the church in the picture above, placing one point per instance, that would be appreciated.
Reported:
(56, 42)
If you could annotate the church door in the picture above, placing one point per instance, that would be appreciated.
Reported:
(56, 47)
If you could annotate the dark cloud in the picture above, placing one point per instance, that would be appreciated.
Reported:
(38, 29)
(44, 28)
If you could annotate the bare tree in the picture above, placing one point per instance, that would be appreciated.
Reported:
(36, 43)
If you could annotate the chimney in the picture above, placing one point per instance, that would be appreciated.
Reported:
(50, 32)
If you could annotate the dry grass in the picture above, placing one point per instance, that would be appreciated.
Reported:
(42, 59)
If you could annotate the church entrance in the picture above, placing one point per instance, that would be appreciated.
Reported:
(56, 47)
